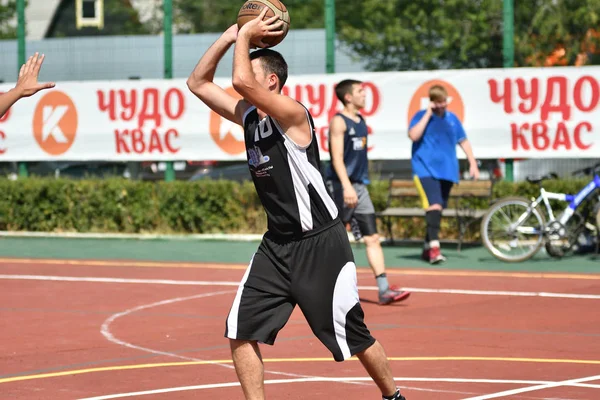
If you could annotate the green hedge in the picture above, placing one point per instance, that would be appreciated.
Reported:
(118, 205)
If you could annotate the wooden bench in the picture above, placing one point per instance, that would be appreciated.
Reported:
(464, 215)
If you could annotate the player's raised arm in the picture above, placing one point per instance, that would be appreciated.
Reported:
(27, 84)
(265, 95)
(201, 82)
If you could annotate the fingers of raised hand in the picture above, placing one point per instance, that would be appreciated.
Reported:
(28, 65)
(262, 14)
(38, 63)
(275, 26)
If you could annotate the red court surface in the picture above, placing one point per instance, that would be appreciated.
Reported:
(109, 329)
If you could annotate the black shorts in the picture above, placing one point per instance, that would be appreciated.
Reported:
(316, 272)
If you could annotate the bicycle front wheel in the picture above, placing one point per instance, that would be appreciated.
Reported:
(513, 231)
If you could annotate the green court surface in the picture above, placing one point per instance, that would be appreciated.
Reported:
(221, 251)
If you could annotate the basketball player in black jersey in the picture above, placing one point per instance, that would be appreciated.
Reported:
(348, 177)
(305, 257)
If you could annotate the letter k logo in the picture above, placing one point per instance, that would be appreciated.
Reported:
(52, 118)
(55, 123)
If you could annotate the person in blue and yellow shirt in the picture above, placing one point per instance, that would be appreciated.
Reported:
(435, 132)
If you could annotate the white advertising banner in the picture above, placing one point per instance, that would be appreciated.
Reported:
(507, 113)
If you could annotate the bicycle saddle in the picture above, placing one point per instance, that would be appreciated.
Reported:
(536, 179)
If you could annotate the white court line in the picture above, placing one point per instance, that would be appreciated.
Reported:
(322, 379)
(534, 388)
(506, 293)
(105, 330)
(227, 283)
(117, 280)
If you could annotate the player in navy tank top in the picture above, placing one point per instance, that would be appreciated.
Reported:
(348, 177)
(355, 149)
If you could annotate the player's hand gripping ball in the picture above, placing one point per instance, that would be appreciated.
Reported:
(252, 9)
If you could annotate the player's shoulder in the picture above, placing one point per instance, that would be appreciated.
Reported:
(338, 120)
(244, 110)
(303, 107)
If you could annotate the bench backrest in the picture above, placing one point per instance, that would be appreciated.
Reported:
(465, 188)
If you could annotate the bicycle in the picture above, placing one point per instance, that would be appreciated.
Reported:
(514, 228)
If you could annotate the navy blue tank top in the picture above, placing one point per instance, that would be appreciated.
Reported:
(355, 151)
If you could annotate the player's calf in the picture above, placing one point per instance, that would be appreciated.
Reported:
(432, 252)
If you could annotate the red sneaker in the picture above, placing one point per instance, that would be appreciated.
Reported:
(435, 256)
(392, 295)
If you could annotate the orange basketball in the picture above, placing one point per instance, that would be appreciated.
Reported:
(252, 9)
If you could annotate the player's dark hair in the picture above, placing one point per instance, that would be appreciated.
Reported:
(272, 63)
(345, 87)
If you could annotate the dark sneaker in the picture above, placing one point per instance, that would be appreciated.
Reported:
(435, 256)
(393, 294)
(397, 396)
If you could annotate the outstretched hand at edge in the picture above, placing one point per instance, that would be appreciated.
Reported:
(28, 84)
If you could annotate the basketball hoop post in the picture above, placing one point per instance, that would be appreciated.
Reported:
(330, 35)
(508, 53)
(168, 65)
(22, 167)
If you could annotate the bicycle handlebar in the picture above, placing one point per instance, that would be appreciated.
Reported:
(538, 179)
(587, 170)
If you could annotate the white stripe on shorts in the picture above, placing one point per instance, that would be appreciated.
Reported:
(232, 319)
(345, 297)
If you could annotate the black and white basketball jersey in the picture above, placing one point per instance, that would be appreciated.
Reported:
(287, 177)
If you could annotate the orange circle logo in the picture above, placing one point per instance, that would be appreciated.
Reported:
(55, 123)
(420, 100)
(227, 135)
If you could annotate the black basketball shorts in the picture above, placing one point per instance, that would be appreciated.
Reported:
(318, 274)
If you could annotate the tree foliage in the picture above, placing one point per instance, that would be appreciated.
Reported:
(8, 12)
(557, 32)
(431, 34)
(428, 34)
